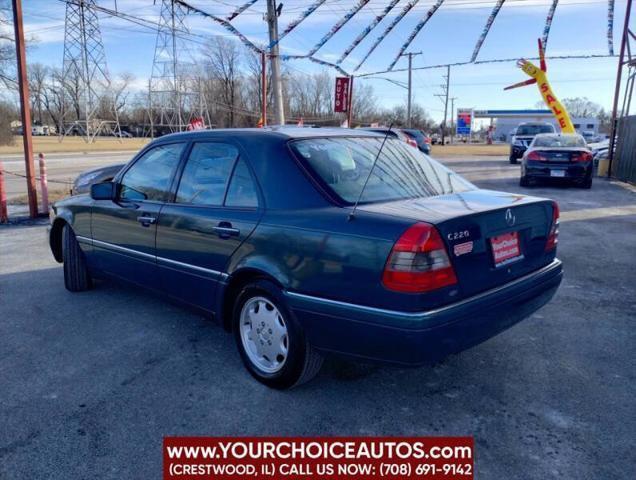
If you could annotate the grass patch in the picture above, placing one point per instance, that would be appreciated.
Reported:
(75, 144)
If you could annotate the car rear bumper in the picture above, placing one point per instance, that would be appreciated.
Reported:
(573, 172)
(408, 338)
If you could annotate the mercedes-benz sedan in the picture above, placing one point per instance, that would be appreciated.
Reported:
(309, 242)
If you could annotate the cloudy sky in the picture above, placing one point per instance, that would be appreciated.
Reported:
(579, 28)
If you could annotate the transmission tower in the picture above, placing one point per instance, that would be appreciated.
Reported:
(85, 78)
(175, 96)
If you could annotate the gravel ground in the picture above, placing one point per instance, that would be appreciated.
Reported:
(91, 382)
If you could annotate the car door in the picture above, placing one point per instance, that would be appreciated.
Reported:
(124, 230)
(215, 208)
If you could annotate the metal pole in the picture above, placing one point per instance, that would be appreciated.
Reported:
(44, 186)
(264, 87)
(350, 107)
(446, 103)
(410, 84)
(408, 102)
(272, 24)
(4, 216)
(617, 89)
(23, 82)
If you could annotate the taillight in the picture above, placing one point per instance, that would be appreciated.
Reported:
(427, 140)
(418, 262)
(536, 156)
(411, 142)
(553, 236)
(582, 157)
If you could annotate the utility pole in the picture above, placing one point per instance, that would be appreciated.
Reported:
(410, 55)
(272, 24)
(452, 116)
(25, 110)
(264, 87)
(444, 97)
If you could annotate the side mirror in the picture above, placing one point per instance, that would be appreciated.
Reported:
(103, 191)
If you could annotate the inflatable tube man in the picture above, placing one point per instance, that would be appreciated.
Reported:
(540, 78)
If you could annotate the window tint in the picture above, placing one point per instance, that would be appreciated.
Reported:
(206, 174)
(242, 191)
(557, 140)
(149, 178)
(534, 129)
(401, 171)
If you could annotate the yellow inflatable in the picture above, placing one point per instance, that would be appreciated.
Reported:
(540, 78)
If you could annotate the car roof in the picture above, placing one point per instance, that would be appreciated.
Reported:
(282, 132)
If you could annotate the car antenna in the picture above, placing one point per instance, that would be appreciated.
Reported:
(355, 205)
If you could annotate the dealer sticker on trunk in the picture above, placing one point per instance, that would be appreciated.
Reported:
(463, 248)
(505, 248)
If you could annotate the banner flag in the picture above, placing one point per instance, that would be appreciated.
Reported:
(489, 23)
(241, 9)
(367, 30)
(311, 9)
(610, 26)
(341, 103)
(224, 23)
(415, 31)
(348, 16)
(548, 23)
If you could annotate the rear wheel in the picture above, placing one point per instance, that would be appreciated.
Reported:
(270, 340)
(587, 183)
(76, 276)
(524, 181)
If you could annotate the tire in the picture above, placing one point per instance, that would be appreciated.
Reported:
(524, 181)
(295, 366)
(513, 160)
(76, 276)
(587, 183)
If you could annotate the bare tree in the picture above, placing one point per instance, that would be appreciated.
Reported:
(38, 76)
(7, 46)
(223, 63)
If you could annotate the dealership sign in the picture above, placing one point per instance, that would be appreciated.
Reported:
(342, 94)
(464, 121)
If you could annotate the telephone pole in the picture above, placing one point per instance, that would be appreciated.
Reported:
(444, 97)
(272, 24)
(452, 116)
(410, 55)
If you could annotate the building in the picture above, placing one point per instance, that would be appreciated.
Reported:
(506, 121)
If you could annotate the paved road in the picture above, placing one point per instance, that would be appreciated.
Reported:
(91, 382)
(60, 167)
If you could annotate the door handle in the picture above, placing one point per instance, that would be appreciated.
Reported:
(146, 221)
(225, 230)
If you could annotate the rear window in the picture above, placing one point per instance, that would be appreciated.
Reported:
(555, 141)
(534, 129)
(344, 163)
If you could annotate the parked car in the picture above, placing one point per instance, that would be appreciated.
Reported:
(393, 133)
(122, 134)
(84, 180)
(523, 137)
(307, 242)
(422, 140)
(558, 156)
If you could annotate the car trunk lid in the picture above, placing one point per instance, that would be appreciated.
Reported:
(491, 237)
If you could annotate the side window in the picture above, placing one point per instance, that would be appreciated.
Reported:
(149, 178)
(242, 191)
(206, 174)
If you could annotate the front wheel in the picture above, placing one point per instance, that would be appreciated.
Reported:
(513, 159)
(270, 340)
(76, 276)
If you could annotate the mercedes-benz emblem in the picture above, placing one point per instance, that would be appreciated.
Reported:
(510, 218)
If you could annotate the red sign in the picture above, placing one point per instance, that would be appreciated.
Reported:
(319, 458)
(342, 94)
(196, 124)
(505, 247)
